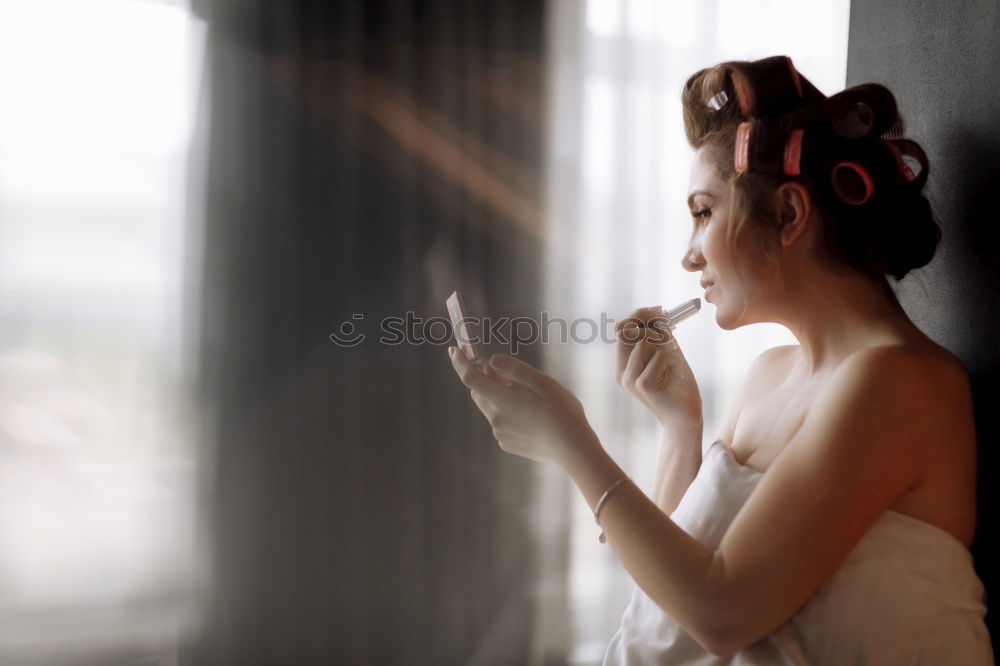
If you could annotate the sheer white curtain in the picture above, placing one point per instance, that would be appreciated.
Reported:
(618, 220)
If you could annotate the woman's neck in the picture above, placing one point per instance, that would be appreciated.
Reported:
(833, 315)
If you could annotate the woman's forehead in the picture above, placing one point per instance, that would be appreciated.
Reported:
(704, 174)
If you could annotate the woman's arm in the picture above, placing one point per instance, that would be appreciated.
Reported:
(651, 368)
(670, 566)
(678, 464)
(863, 444)
(681, 446)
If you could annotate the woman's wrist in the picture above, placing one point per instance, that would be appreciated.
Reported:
(683, 427)
(584, 445)
(591, 468)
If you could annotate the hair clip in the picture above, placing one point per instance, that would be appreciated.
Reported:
(718, 100)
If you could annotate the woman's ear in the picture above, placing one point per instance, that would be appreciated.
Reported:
(794, 207)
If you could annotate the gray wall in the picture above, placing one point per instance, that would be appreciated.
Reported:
(942, 60)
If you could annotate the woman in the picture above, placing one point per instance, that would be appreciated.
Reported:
(830, 520)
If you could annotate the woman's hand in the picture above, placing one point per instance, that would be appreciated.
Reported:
(652, 368)
(532, 414)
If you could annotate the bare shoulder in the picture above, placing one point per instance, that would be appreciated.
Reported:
(909, 369)
(922, 390)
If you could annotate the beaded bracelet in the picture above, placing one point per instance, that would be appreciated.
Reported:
(597, 509)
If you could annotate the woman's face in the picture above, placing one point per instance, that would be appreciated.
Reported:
(733, 293)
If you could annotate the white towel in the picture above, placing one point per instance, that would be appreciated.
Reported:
(906, 594)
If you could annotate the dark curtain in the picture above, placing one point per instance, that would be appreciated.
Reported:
(364, 159)
(942, 61)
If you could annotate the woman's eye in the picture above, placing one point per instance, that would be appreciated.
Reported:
(701, 213)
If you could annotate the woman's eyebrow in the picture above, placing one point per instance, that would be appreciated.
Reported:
(696, 192)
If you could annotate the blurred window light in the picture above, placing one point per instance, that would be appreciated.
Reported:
(638, 22)
(604, 17)
(598, 134)
(675, 23)
(98, 531)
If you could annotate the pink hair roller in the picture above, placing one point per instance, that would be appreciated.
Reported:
(793, 152)
(742, 158)
(848, 180)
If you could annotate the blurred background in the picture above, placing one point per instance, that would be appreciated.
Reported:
(214, 449)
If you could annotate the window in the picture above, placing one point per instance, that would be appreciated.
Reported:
(99, 544)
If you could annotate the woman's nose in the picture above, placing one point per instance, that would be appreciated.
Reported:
(692, 260)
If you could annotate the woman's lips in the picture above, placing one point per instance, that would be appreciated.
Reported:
(708, 290)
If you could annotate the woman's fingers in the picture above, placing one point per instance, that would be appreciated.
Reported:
(514, 369)
(485, 405)
(662, 336)
(654, 374)
(658, 347)
(641, 353)
(639, 315)
(627, 340)
(473, 377)
(629, 333)
(484, 366)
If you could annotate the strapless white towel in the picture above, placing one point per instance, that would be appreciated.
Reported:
(906, 594)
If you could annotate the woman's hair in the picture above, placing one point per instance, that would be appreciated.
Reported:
(765, 124)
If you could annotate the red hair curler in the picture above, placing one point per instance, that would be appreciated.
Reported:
(742, 158)
(897, 130)
(863, 110)
(764, 149)
(793, 153)
(909, 156)
(744, 93)
(795, 76)
(767, 87)
(852, 183)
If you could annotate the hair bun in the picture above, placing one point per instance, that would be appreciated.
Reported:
(895, 238)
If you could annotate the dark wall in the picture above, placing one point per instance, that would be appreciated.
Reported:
(360, 510)
(942, 61)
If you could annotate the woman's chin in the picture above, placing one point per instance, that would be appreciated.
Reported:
(725, 319)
